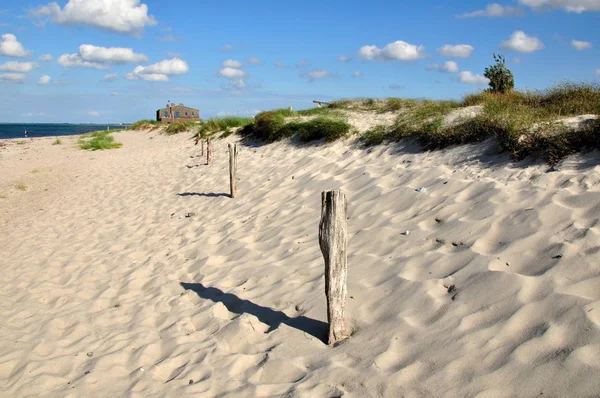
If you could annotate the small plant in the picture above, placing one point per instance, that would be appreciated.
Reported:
(57, 142)
(501, 78)
(267, 125)
(21, 142)
(323, 128)
(144, 124)
(178, 127)
(21, 187)
(98, 141)
(375, 136)
(35, 171)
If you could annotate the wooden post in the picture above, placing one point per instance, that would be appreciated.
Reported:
(232, 169)
(208, 151)
(333, 239)
(202, 152)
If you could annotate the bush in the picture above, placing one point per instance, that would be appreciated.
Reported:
(323, 128)
(375, 136)
(267, 124)
(501, 78)
(98, 141)
(178, 127)
(144, 124)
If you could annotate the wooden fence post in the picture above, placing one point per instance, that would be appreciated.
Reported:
(232, 169)
(202, 152)
(208, 151)
(333, 239)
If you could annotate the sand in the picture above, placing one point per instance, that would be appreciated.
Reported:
(130, 272)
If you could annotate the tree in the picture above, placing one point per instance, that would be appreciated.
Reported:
(501, 78)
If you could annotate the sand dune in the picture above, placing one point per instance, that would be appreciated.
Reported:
(130, 272)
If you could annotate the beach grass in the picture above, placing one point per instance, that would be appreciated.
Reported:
(21, 187)
(98, 140)
(179, 127)
(144, 124)
(35, 171)
(57, 142)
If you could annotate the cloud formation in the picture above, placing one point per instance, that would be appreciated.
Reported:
(232, 63)
(121, 16)
(160, 71)
(356, 74)
(495, 10)
(396, 51)
(576, 6)
(448, 67)
(90, 56)
(581, 45)
(317, 74)
(12, 78)
(44, 80)
(344, 58)
(253, 61)
(10, 47)
(17, 67)
(45, 57)
(110, 77)
(456, 51)
(519, 41)
(469, 77)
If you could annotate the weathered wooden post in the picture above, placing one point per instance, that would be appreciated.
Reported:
(202, 150)
(232, 169)
(208, 151)
(333, 239)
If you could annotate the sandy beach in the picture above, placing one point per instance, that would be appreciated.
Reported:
(130, 272)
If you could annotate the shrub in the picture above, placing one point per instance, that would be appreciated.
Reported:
(375, 136)
(323, 128)
(178, 127)
(501, 78)
(267, 125)
(144, 124)
(98, 141)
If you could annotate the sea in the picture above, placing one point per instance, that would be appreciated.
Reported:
(17, 130)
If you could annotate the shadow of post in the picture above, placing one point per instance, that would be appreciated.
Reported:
(208, 195)
(315, 328)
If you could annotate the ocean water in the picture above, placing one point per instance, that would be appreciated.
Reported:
(17, 130)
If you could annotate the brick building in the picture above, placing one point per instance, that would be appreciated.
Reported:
(177, 113)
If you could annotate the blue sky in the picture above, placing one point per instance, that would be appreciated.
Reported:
(120, 60)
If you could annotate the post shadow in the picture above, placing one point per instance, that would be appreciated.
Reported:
(233, 303)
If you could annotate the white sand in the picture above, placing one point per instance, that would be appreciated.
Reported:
(94, 252)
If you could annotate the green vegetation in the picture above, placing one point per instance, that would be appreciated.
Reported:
(35, 171)
(21, 187)
(98, 140)
(226, 124)
(144, 124)
(501, 78)
(21, 142)
(179, 127)
(57, 142)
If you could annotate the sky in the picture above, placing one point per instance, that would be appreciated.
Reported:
(118, 61)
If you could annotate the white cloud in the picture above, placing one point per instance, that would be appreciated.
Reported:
(519, 41)
(45, 57)
(456, 51)
(494, 10)
(344, 58)
(18, 67)
(160, 71)
(111, 77)
(253, 61)
(317, 74)
(75, 60)
(44, 80)
(93, 113)
(232, 63)
(13, 77)
(10, 47)
(227, 47)
(448, 66)
(468, 77)
(396, 51)
(597, 71)
(576, 6)
(280, 64)
(91, 56)
(122, 16)
(581, 45)
(356, 74)
(302, 64)
(232, 73)
(237, 83)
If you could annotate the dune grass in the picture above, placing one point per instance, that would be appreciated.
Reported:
(179, 127)
(226, 125)
(144, 124)
(21, 187)
(98, 140)
(57, 142)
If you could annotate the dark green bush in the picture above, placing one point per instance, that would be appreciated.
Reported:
(323, 128)
(501, 78)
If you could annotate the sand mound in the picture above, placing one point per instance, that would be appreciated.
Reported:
(130, 272)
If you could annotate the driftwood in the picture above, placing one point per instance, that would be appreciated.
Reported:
(333, 239)
(232, 169)
(208, 151)
(321, 102)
